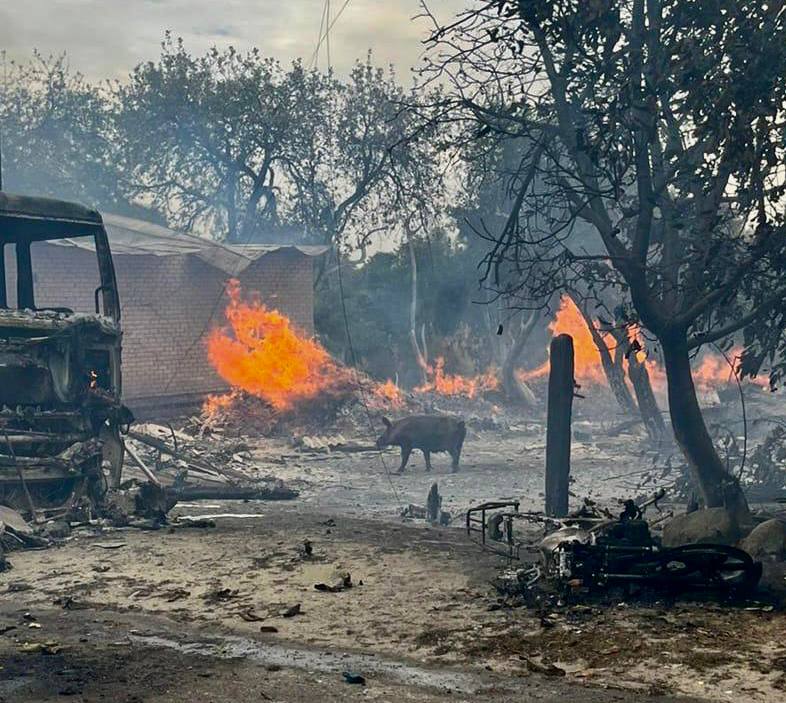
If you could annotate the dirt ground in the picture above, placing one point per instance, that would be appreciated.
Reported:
(206, 614)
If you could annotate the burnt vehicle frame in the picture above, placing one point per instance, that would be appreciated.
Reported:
(61, 413)
(594, 551)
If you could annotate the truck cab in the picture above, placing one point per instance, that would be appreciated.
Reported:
(60, 371)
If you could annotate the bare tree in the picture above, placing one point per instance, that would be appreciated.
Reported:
(658, 124)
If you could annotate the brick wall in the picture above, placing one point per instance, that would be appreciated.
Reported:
(169, 305)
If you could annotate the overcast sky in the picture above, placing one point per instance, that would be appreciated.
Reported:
(106, 38)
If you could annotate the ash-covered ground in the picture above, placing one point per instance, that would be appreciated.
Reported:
(231, 612)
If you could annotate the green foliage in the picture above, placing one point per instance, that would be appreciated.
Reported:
(377, 296)
(57, 135)
(239, 146)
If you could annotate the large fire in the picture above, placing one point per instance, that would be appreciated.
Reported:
(711, 372)
(449, 384)
(586, 357)
(262, 353)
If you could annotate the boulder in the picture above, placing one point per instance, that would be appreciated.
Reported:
(767, 542)
(709, 526)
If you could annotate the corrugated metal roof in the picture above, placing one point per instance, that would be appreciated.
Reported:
(131, 237)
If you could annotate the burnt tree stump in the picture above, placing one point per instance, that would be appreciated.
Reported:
(560, 408)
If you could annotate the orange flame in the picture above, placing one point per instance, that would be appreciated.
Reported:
(713, 371)
(449, 384)
(389, 394)
(586, 357)
(262, 353)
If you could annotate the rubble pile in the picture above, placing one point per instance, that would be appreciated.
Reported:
(354, 413)
(206, 464)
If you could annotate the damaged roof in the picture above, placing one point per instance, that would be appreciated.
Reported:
(132, 237)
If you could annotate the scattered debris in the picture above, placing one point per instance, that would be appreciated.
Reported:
(219, 595)
(196, 522)
(49, 647)
(349, 677)
(292, 611)
(147, 501)
(542, 668)
(432, 512)
(249, 615)
(416, 512)
(342, 584)
(266, 491)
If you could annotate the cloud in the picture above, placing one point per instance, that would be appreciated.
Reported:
(106, 38)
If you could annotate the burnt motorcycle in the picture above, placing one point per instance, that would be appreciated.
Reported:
(593, 551)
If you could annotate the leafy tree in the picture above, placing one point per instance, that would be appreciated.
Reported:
(234, 143)
(377, 296)
(365, 168)
(206, 139)
(658, 123)
(57, 135)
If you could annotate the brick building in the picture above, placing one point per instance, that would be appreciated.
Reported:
(172, 294)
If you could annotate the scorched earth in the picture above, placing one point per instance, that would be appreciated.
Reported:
(230, 612)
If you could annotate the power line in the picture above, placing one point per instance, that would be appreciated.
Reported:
(358, 385)
(327, 35)
(324, 36)
(319, 35)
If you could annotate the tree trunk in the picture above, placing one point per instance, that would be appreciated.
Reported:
(413, 309)
(517, 391)
(648, 406)
(642, 387)
(718, 487)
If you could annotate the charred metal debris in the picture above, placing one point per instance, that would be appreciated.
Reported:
(62, 420)
(593, 552)
(60, 385)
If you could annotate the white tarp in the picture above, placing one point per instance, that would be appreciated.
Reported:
(128, 236)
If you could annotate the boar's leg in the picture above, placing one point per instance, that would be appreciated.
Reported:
(455, 454)
(406, 450)
(427, 457)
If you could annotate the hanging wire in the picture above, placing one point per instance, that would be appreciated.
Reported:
(358, 385)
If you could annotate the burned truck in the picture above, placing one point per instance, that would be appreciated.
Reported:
(60, 383)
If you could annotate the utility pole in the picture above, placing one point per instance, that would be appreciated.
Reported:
(558, 428)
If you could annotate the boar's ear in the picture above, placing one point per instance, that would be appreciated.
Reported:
(386, 422)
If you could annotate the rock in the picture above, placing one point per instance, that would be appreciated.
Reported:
(710, 526)
(773, 580)
(56, 529)
(353, 678)
(11, 518)
(767, 542)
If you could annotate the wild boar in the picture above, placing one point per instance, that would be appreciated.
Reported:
(429, 433)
